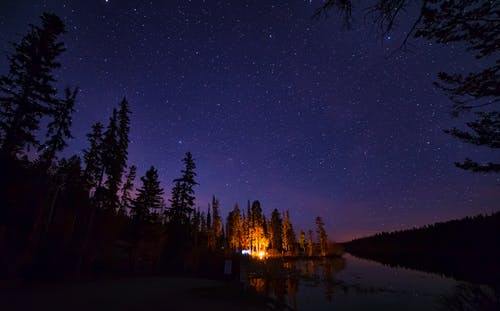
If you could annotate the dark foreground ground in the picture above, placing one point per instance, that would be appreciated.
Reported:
(149, 294)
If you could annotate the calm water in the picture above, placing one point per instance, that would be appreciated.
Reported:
(351, 283)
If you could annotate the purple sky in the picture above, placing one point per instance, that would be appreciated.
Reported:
(297, 113)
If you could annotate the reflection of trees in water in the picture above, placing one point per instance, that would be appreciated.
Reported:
(469, 297)
(292, 288)
(328, 279)
(330, 266)
(259, 284)
(280, 279)
(308, 272)
(277, 279)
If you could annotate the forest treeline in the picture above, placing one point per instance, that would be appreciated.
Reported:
(67, 216)
(466, 249)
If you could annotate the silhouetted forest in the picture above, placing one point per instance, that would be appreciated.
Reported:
(78, 216)
(466, 249)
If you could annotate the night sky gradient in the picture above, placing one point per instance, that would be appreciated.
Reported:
(300, 114)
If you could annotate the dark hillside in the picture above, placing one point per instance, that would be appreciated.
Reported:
(466, 249)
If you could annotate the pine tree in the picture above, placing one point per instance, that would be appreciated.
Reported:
(310, 244)
(116, 140)
(93, 157)
(125, 198)
(289, 238)
(149, 198)
(322, 236)
(182, 201)
(234, 228)
(27, 93)
(302, 242)
(245, 242)
(196, 225)
(59, 127)
(209, 219)
(123, 132)
(276, 231)
(203, 229)
(112, 162)
(216, 228)
(257, 238)
(67, 182)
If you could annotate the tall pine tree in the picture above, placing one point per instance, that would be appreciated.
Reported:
(27, 92)
(114, 154)
(215, 234)
(128, 186)
(322, 236)
(149, 199)
(182, 200)
(59, 128)
(234, 229)
(112, 162)
(93, 158)
(276, 231)
(289, 238)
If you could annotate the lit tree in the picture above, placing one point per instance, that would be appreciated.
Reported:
(234, 228)
(245, 232)
(322, 236)
(310, 244)
(276, 232)
(302, 241)
(258, 240)
(289, 238)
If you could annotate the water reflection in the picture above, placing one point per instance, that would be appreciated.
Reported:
(351, 283)
(277, 279)
(280, 279)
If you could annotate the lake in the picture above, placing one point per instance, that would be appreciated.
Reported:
(351, 283)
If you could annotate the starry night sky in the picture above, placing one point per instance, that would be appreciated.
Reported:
(300, 114)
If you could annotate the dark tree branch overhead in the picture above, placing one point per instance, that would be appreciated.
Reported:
(468, 164)
(476, 24)
(344, 7)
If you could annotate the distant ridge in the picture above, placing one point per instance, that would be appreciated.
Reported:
(467, 249)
